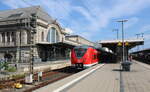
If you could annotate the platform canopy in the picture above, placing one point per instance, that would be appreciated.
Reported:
(112, 44)
(62, 44)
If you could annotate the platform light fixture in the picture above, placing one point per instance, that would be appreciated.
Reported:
(122, 23)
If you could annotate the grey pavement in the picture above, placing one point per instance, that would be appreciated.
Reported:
(138, 80)
(109, 78)
(105, 79)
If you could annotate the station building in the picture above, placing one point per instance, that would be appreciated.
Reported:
(50, 40)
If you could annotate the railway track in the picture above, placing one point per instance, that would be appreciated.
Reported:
(47, 78)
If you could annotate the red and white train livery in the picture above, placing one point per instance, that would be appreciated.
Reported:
(84, 56)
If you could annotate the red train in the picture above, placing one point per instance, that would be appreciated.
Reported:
(84, 56)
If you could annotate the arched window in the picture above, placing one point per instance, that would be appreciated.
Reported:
(3, 37)
(0, 37)
(24, 37)
(42, 36)
(52, 36)
(13, 36)
(8, 36)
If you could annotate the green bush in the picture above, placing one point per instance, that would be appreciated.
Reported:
(1, 65)
(6, 65)
(11, 69)
(18, 76)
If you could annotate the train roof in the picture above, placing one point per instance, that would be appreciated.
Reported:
(83, 46)
(104, 49)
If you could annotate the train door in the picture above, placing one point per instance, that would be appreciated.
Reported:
(94, 58)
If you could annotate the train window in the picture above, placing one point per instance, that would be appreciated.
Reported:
(80, 52)
(95, 57)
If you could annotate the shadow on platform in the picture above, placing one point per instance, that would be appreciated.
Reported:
(117, 70)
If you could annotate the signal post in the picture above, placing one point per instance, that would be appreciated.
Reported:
(32, 27)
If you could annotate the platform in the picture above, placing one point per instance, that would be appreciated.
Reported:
(138, 80)
(41, 66)
(106, 78)
(38, 66)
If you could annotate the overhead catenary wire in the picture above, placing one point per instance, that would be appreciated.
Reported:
(61, 4)
(88, 7)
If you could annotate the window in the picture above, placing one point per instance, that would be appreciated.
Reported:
(42, 36)
(95, 56)
(80, 52)
(52, 36)
(8, 37)
(24, 37)
(3, 37)
(13, 36)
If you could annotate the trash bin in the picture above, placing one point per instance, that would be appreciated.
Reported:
(126, 66)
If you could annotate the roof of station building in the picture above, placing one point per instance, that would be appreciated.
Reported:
(126, 40)
(114, 43)
(25, 13)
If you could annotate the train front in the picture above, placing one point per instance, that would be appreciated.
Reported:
(80, 57)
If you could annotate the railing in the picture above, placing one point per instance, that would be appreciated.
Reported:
(8, 44)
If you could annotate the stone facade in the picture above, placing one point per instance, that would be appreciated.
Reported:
(49, 41)
(80, 40)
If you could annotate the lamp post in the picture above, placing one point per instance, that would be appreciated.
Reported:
(122, 22)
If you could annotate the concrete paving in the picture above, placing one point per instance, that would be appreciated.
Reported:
(108, 78)
(105, 79)
(138, 80)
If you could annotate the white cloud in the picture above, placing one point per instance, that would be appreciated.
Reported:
(145, 28)
(97, 13)
(147, 37)
(56, 8)
(131, 21)
(86, 35)
(15, 3)
(68, 30)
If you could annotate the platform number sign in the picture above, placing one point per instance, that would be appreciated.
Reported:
(119, 44)
(126, 44)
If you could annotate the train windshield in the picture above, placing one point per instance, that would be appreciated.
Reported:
(80, 52)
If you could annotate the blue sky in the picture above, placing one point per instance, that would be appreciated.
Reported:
(94, 19)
